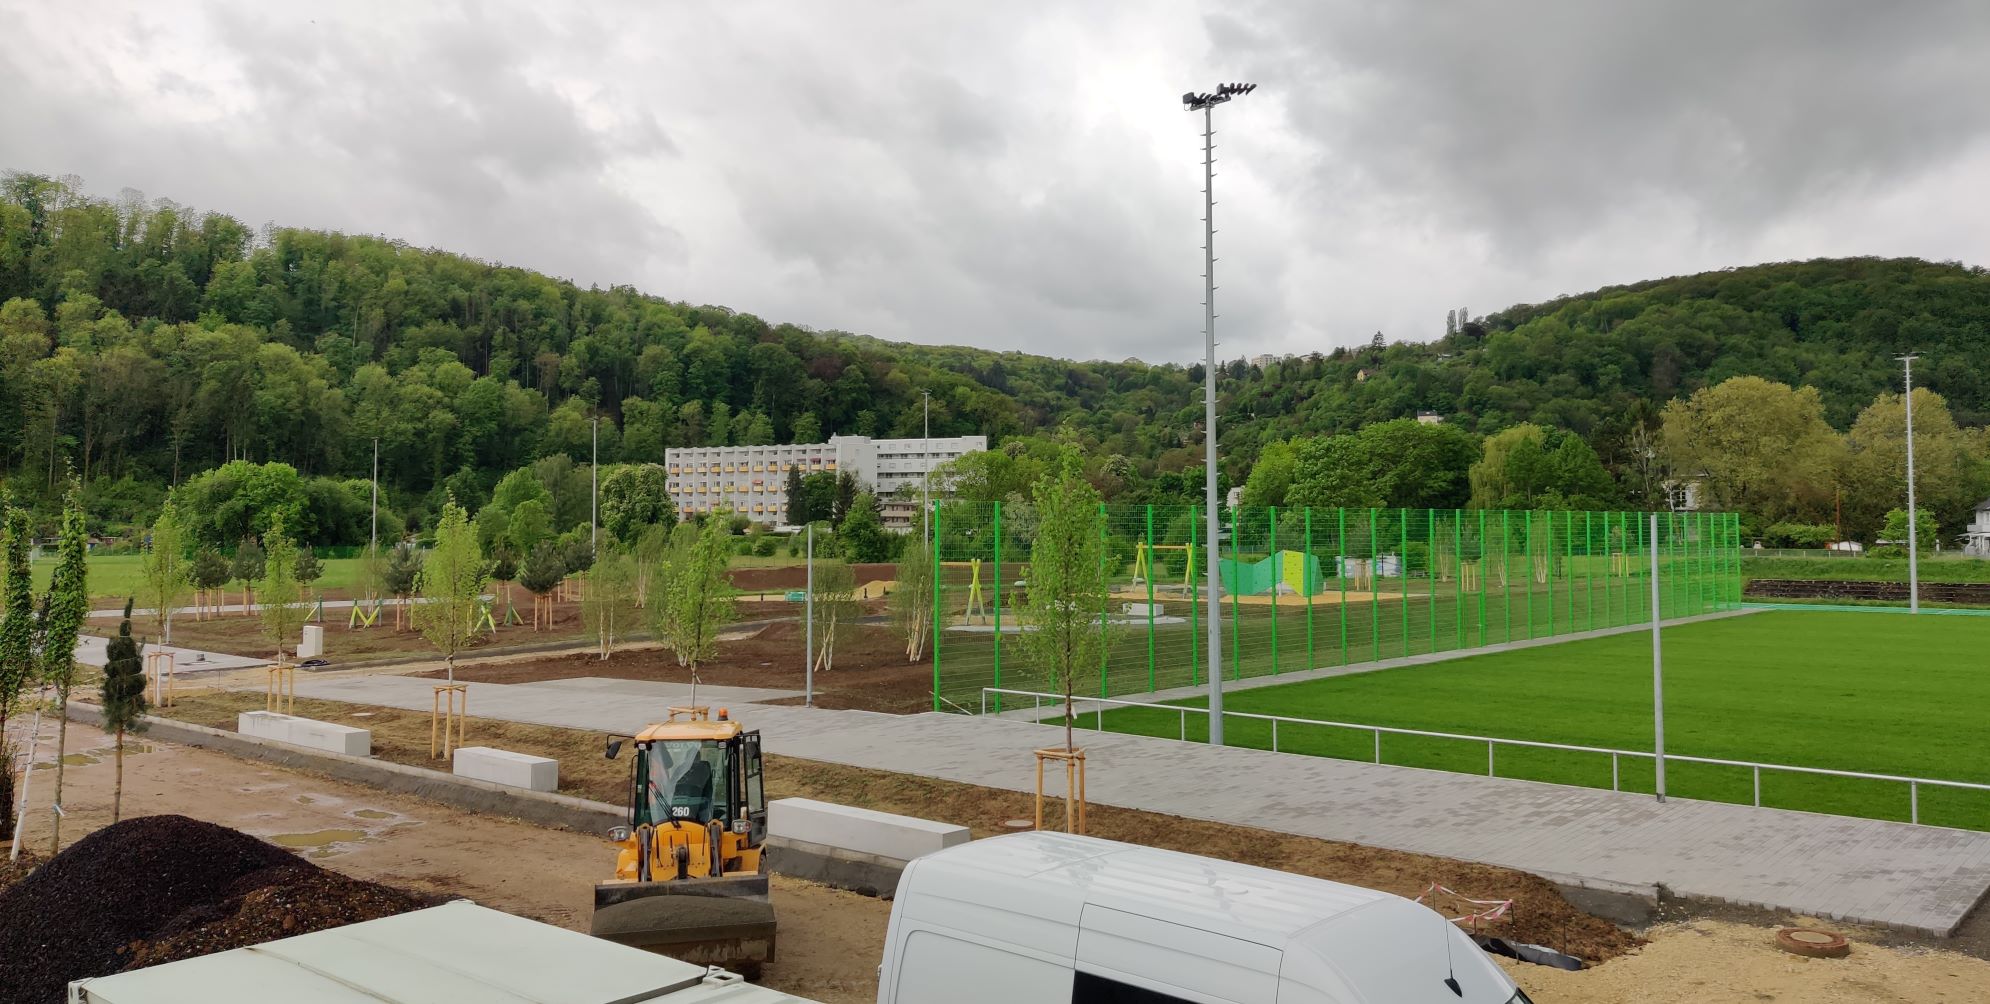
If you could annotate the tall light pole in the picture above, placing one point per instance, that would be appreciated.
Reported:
(375, 538)
(1913, 539)
(926, 465)
(594, 493)
(1206, 104)
(1657, 672)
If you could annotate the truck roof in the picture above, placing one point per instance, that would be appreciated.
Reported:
(454, 952)
(1063, 872)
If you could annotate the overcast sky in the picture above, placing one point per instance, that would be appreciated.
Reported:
(1021, 175)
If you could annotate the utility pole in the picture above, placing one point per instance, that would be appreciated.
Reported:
(808, 656)
(594, 493)
(1206, 103)
(1657, 671)
(1913, 538)
(926, 464)
(375, 538)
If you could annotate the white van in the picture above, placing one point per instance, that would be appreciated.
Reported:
(1049, 918)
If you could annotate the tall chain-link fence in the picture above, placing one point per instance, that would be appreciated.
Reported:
(1313, 588)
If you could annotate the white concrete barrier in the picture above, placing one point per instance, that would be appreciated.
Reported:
(862, 831)
(1144, 610)
(312, 644)
(519, 770)
(306, 732)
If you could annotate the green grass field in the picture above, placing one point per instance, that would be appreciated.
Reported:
(1932, 569)
(1877, 693)
(120, 575)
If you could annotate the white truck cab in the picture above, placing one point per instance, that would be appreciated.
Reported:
(1051, 918)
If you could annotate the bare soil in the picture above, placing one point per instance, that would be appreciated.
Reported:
(796, 576)
(871, 672)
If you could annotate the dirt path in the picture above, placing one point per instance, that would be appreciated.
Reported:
(830, 940)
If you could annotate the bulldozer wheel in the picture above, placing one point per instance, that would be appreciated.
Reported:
(1813, 944)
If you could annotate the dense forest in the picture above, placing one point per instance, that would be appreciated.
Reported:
(143, 342)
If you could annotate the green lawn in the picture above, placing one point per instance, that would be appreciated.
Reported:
(1878, 693)
(120, 575)
(1932, 569)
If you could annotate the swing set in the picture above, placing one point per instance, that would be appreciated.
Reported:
(1145, 565)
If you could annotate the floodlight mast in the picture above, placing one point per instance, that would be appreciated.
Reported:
(1205, 103)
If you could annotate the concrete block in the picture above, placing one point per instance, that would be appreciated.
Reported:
(864, 874)
(312, 644)
(1143, 610)
(519, 770)
(860, 831)
(306, 732)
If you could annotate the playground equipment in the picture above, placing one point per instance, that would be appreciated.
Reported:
(1291, 572)
(1144, 565)
(977, 605)
(361, 617)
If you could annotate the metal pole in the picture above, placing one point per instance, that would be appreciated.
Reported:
(808, 657)
(1913, 538)
(1657, 669)
(926, 465)
(376, 494)
(594, 493)
(1209, 425)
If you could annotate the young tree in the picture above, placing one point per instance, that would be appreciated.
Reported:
(17, 643)
(698, 597)
(504, 568)
(862, 533)
(451, 584)
(309, 568)
(209, 571)
(836, 610)
(1063, 634)
(402, 571)
(369, 576)
(63, 609)
(609, 600)
(283, 608)
(911, 601)
(249, 565)
(542, 573)
(647, 558)
(166, 572)
(845, 497)
(123, 698)
(799, 512)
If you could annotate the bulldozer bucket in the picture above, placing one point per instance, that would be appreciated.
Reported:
(727, 922)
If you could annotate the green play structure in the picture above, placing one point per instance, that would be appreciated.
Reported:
(1297, 571)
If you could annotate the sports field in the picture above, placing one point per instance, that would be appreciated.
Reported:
(116, 576)
(1878, 693)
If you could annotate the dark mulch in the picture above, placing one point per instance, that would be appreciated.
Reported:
(160, 888)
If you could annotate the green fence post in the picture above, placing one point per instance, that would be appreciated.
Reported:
(1430, 568)
(1195, 600)
(1530, 574)
(1105, 606)
(1549, 535)
(1152, 558)
(1568, 562)
(935, 517)
(1458, 560)
(1374, 587)
(1589, 563)
(1236, 604)
(1403, 568)
(1340, 572)
(1506, 567)
(1484, 574)
(1271, 519)
(1305, 566)
(998, 605)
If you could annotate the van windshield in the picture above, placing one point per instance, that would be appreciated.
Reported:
(683, 780)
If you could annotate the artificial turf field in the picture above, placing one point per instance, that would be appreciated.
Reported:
(1879, 693)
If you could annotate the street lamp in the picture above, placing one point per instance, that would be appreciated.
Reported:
(1913, 539)
(1206, 104)
(926, 465)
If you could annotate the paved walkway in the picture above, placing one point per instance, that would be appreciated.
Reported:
(91, 650)
(1922, 879)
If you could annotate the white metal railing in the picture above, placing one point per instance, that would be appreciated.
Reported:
(1098, 707)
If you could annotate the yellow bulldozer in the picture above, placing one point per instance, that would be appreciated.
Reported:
(688, 877)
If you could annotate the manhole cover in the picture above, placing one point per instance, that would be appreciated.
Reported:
(1812, 943)
(1019, 824)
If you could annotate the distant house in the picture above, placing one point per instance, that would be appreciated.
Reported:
(1429, 418)
(1361, 375)
(1976, 536)
(1683, 494)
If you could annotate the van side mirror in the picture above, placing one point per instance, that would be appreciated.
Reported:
(614, 749)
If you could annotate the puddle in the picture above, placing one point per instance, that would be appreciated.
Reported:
(79, 759)
(317, 838)
(373, 814)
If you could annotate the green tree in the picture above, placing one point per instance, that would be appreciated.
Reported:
(283, 608)
(165, 571)
(122, 697)
(210, 570)
(309, 568)
(1271, 476)
(911, 600)
(17, 637)
(1069, 587)
(1949, 471)
(249, 566)
(836, 610)
(636, 496)
(451, 584)
(1892, 539)
(401, 575)
(530, 523)
(64, 607)
(543, 569)
(607, 605)
(862, 534)
(698, 596)
(798, 512)
(805, 429)
(369, 576)
(1755, 446)
(647, 557)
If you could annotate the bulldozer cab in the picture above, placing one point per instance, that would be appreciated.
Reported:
(697, 772)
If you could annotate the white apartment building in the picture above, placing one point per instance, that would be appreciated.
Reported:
(753, 480)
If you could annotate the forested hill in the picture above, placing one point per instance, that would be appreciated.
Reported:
(1603, 363)
(142, 342)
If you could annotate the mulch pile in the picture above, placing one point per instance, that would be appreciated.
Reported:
(161, 888)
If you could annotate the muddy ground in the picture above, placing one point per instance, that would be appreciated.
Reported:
(871, 672)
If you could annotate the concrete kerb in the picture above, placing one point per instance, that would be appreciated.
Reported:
(1083, 707)
(540, 808)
